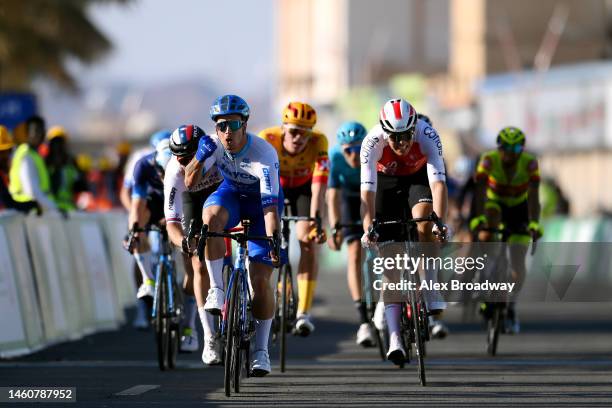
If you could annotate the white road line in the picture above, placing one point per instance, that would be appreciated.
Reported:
(137, 390)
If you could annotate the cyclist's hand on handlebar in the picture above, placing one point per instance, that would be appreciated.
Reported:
(275, 250)
(535, 230)
(335, 239)
(316, 235)
(369, 239)
(443, 234)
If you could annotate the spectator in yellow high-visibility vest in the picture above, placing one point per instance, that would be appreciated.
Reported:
(6, 149)
(65, 178)
(28, 175)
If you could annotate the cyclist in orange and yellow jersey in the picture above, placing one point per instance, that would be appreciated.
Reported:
(507, 183)
(304, 170)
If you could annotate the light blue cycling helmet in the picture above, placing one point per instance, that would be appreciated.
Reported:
(228, 105)
(158, 137)
(351, 132)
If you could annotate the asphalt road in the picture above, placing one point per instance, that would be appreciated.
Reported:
(563, 357)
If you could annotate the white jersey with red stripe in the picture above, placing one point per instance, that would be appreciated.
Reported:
(174, 187)
(377, 156)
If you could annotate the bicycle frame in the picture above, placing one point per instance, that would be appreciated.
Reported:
(239, 272)
(166, 259)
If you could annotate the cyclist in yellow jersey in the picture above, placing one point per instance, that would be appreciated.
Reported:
(304, 170)
(507, 182)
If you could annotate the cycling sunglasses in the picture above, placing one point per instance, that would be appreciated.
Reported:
(402, 136)
(352, 149)
(515, 148)
(234, 125)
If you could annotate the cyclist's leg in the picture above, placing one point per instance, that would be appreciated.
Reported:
(307, 271)
(221, 210)
(151, 213)
(260, 273)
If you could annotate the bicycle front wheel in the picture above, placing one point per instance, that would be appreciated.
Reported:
(232, 334)
(419, 339)
(286, 296)
(163, 321)
(493, 327)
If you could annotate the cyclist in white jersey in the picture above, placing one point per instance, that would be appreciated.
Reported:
(182, 209)
(403, 176)
(250, 190)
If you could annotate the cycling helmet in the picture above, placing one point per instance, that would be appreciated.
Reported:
(159, 136)
(56, 131)
(184, 140)
(351, 132)
(425, 118)
(300, 115)
(511, 136)
(163, 153)
(228, 105)
(397, 116)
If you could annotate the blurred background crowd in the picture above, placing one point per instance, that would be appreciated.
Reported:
(93, 80)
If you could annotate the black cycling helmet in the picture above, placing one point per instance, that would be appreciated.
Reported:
(184, 140)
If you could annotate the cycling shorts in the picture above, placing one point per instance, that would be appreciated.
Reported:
(299, 200)
(240, 206)
(351, 214)
(395, 198)
(193, 202)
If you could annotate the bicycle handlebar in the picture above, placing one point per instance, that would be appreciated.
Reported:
(241, 237)
(433, 217)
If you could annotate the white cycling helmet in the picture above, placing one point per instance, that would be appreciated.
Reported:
(397, 115)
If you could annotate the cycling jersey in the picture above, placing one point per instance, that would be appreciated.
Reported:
(312, 164)
(255, 169)
(511, 192)
(128, 174)
(174, 187)
(341, 174)
(377, 156)
(148, 179)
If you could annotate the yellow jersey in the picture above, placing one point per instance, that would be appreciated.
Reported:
(312, 164)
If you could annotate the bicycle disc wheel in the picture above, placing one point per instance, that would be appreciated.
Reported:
(418, 340)
(163, 330)
(232, 335)
(285, 277)
(493, 327)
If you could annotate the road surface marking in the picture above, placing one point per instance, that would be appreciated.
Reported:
(137, 390)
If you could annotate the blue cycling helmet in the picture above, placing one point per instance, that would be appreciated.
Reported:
(158, 137)
(228, 105)
(351, 132)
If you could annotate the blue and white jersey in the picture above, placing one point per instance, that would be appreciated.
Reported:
(254, 169)
(148, 179)
(128, 174)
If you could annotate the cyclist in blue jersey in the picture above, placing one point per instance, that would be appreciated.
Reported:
(141, 320)
(250, 190)
(343, 202)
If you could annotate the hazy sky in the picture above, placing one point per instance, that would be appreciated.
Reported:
(230, 42)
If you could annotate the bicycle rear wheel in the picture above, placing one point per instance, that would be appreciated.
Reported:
(162, 329)
(173, 343)
(232, 335)
(419, 342)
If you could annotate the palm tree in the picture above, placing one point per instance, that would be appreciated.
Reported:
(39, 37)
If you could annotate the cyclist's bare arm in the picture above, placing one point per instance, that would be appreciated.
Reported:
(193, 172)
(271, 219)
(137, 212)
(175, 233)
(317, 204)
(333, 206)
(533, 201)
(125, 196)
(439, 193)
(368, 208)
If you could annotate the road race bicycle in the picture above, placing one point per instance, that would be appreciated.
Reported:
(167, 311)
(495, 306)
(414, 314)
(285, 312)
(237, 324)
